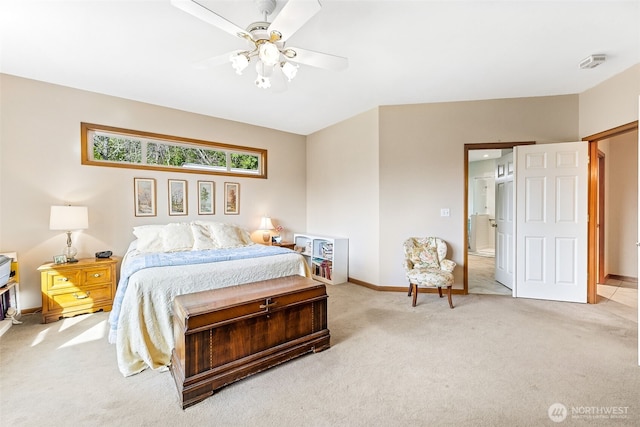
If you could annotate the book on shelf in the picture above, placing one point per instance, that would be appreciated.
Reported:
(322, 268)
(326, 250)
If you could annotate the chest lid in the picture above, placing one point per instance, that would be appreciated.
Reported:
(206, 308)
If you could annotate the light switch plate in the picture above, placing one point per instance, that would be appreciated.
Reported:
(444, 212)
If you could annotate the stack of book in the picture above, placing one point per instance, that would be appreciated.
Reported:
(322, 268)
(326, 250)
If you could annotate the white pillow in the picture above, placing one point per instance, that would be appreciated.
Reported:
(203, 238)
(229, 235)
(177, 237)
(149, 238)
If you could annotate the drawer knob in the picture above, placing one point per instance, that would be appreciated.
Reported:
(96, 275)
(86, 295)
(65, 279)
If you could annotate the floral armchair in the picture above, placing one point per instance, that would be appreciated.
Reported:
(426, 265)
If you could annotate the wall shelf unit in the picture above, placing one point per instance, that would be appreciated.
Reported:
(10, 293)
(327, 257)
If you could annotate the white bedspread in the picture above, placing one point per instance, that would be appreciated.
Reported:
(145, 324)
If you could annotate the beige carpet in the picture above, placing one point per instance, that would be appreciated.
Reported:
(492, 361)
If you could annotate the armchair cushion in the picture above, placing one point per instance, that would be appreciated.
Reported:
(430, 278)
(424, 257)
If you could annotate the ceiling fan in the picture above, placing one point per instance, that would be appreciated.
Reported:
(267, 41)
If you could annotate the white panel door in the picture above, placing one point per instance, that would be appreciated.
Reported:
(551, 221)
(505, 238)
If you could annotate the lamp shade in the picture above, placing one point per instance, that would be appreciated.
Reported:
(69, 218)
(266, 224)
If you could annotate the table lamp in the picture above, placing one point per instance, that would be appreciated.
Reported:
(69, 218)
(266, 226)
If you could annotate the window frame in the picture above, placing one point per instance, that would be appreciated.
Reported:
(87, 156)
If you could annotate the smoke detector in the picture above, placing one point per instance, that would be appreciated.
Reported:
(592, 61)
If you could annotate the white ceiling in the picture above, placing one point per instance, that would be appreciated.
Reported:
(400, 52)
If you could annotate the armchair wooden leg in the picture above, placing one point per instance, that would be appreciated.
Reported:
(410, 287)
(449, 295)
(415, 294)
(440, 291)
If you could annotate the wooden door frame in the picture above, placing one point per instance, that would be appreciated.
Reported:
(467, 147)
(601, 217)
(592, 225)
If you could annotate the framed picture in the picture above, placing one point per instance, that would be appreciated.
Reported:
(206, 198)
(177, 197)
(231, 198)
(144, 192)
(59, 259)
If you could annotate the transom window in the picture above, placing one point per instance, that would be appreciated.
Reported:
(115, 147)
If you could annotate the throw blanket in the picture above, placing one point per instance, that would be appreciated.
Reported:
(142, 316)
(137, 261)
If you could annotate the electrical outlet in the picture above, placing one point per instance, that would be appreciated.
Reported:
(444, 212)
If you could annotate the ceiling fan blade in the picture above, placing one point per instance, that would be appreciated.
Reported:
(210, 17)
(216, 61)
(294, 15)
(317, 59)
(278, 81)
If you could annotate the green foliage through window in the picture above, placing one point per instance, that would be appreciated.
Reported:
(108, 146)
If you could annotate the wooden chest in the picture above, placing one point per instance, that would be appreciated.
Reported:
(224, 335)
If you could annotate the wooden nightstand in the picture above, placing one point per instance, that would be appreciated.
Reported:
(86, 286)
(288, 245)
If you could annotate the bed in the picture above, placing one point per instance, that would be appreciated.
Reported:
(181, 258)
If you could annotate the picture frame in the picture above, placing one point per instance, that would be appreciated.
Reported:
(206, 198)
(144, 194)
(177, 197)
(231, 198)
(59, 259)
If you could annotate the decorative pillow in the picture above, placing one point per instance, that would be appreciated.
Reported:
(425, 257)
(177, 237)
(149, 238)
(229, 235)
(203, 238)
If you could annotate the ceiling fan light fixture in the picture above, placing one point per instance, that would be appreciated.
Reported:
(263, 82)
(264, 73)
(239, 62)
(290, 70)
(269, 53)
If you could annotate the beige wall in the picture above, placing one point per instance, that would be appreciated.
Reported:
(610, 104)
(40, 166)
(422, 164)
(621, 200)
(343, 189)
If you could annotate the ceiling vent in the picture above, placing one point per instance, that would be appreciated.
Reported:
(592, 61)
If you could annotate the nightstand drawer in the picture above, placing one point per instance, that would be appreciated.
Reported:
(60, 280)
(96, 275)
(87, 296)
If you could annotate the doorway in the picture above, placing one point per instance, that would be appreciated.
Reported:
(480, 219)
(613, 268)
